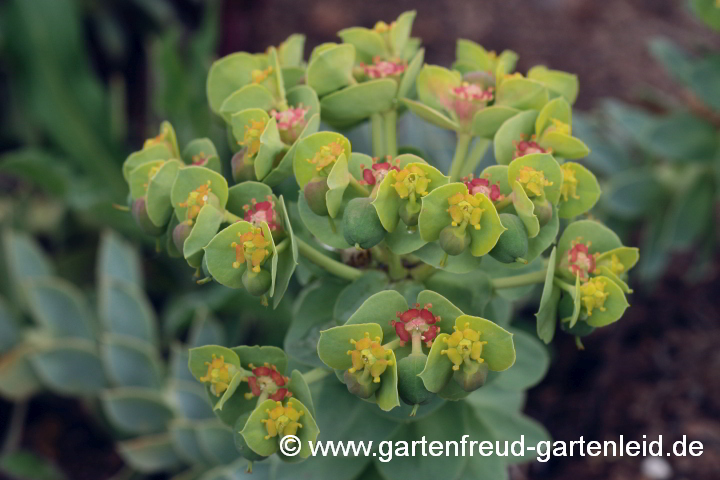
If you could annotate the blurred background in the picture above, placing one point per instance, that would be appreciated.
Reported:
(84, 82)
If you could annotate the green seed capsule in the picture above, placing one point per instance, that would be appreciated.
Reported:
(359, 386)
(512, 246)
(453, 240)
(361, 224)
(543, 211)
(242, 171)
(315, 191)
(409, 213)
(470, 379)
(180, 233)
(139, 213)
(257, 283)
(411, 387)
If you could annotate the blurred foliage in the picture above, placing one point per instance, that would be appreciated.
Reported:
(661, 161)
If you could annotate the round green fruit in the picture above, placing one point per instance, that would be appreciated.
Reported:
(361, 224)
(512, 246)
(139, 213)
(543, 212)
(359, 386)
(257, 283)
(180, 233)
(409, 213)
(453, 240)
(242, 171)
(470, 379)
(315, 191)
(411, 387)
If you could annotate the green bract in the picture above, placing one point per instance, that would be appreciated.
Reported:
(385, 269)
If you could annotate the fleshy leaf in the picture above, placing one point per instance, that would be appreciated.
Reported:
(514, 129)
(522, 93)
(159, 205)
(191, 178)
(331, 68)
(525, 209)
(581, 195)
(438, 369)
(387, 396)
(204, 229)
(153, 153)
(380, 309)
(545, 163)
(306, 149)
(334, 343)
(488, 121)
(249, 96)
(358, 102)
(431, 115)
(229, 74)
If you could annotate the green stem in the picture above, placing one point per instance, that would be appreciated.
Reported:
(390, 118)
(333, 266)
(230, 217)
(392, 344)
(422, 272)
(520, 280)
(475, 157)
(378, 135)
(315, 374)
(416, 344)
(504, 202)
(262, 397)
(282, 245)
(395, 267)
(461, 148)
(564, 286)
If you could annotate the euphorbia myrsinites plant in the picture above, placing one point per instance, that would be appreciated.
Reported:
(441, 246)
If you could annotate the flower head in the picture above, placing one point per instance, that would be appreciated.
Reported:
(267, 379)
(290, 122)
(416, 320)
(464, 345)
(219, 374)
(526, 147)
(259, 76)
(482, 185)
(465, 210)
(282, 420)
(593, 295)
(559, 126)
(197, 199)
(199, 159)
(616, 266)
(377, 171)
(570, 183)
(327, 155)
(580, 261)
(251, 140)
(252, 248)
(533, 181)
(381, 68)
(369, 356)
(259, 212)
(411, 182)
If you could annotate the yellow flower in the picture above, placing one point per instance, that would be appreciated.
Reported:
(327, 155)
(259, 76)
(533, 181)
(251, 140)
(559, 126)
(218, 375)
(570, 183)
(465, 209)
(411, 181)
(463, 345)
(196, 200)
(616, 265)
(252, 248)
(369, 353)
(593, 295)
(282, 421)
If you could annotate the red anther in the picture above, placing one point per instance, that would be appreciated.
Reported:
(430, 334)
(280, 394)
(381, 166)
(277, 378)
(409, 315)
(263, 205)
(252, 382)
(262, 371)
(403, 334)
(368, 176)
(426, 315)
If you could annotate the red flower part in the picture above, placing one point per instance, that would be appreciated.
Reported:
(277, 378)
(290, 118)
(262, 371)
(402, 334)
(260, 212)
(426, 315)
(252, 382)
(580, 260)
(409, 315)
(376, 172)
(280, 395)
(526, 147)
(430, 335)
(482, 185)
(383, 68)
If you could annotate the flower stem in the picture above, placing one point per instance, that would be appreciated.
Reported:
(519, 280)
(461, 148)
(564, 286)
(475, 157)
(315, 374)
(282, 245)
(230, 217)
(390, 118)
(395, 266)
(422, 272)
(392, 344)
(378, 135)
(416, 344)
(333, 266)
(262, 397)
(504, 202)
